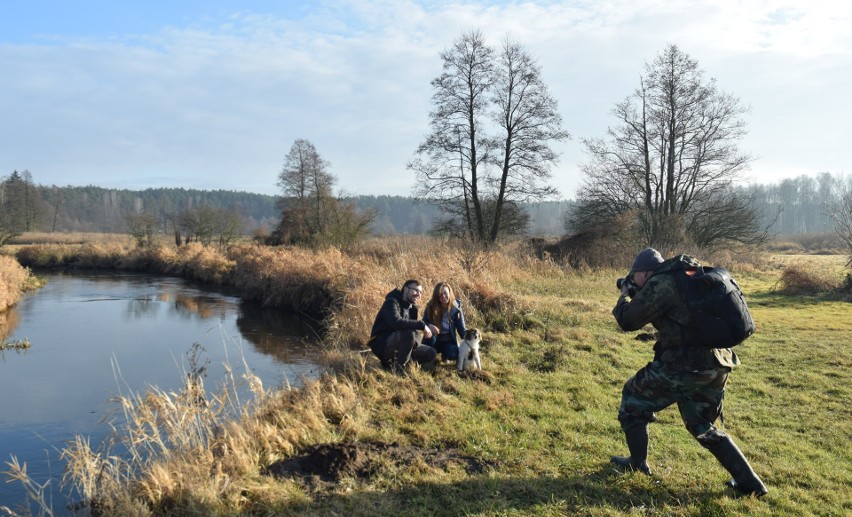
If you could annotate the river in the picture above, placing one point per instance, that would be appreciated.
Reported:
(94, 336)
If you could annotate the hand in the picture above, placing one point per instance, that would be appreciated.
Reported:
(427, 332)
(434, 329)
(625, 289)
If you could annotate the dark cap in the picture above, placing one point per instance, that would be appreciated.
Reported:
(646, 260)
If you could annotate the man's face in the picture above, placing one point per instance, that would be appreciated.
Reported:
(412, 293)
(640, 277)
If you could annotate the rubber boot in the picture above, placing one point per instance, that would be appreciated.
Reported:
(637, 444)
(745, 481)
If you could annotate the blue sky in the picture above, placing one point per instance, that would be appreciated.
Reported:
(212, 94)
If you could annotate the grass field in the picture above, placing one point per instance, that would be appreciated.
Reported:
(531, 435)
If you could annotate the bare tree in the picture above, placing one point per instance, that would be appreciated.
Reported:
(488, 146)
(841, 214)
(142, 228)
(198, 224)
(672, 159)
(528, 118)
(305, 187)
(451, 161)
(310, 213)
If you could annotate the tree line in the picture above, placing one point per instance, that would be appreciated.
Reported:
(664, 174)
(27, 206)
(792, 206)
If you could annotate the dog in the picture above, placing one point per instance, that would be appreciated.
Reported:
(469, 351)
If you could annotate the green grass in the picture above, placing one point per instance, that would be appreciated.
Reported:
(547, 418)
(542, 419)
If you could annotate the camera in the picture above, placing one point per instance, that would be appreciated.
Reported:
(631, 287)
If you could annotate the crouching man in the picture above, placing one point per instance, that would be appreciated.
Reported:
(397, 333)
(682, 373)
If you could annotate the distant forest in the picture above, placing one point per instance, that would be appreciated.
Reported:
(793, 206)
(97, 209)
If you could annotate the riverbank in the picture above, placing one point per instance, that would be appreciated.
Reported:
(531, 435)
(15, 280)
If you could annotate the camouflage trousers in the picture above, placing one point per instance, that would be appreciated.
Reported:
(698, 395)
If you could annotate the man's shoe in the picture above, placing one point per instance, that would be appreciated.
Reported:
(627, 464)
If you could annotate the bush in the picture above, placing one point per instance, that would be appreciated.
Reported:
(798, 279)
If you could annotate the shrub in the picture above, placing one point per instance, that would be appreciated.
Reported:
(799, 279)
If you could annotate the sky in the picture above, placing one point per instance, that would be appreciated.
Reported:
(212, 94)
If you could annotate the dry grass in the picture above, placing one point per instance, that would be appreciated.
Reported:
(811, 274)
(341, 289)
(553, 355)
(197, 451)
(800, 279)
(14, 280)
(186, 448)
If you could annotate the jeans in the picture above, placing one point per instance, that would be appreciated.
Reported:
(444, 344)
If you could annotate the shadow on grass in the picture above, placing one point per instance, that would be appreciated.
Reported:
(781, 300)
(604, 489)
(597, 492)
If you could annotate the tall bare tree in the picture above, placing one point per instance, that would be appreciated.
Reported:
(310, 213)
(492, 122)
(305, 186)
(671, 160)
(529, 121)
(451, 160)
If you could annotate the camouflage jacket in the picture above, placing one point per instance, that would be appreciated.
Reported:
(660, 303)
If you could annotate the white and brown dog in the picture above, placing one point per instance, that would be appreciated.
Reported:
(469, 351)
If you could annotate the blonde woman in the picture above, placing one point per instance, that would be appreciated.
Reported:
(444, 317)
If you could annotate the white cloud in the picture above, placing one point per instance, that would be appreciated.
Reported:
(218, 106)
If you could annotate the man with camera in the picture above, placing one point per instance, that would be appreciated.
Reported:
(682, 373)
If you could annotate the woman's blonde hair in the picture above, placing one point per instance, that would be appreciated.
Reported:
(434, 310)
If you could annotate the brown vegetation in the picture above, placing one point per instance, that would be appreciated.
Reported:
(189, 454)
(799, 278)
(342, 289)
(14, 280)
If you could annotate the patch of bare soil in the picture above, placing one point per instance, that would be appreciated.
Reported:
(324, 464)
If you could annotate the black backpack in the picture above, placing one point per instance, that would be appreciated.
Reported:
(720, 317)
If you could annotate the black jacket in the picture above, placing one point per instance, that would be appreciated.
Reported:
(394, 315)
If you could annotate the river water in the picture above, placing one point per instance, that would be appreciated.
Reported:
(94, 336)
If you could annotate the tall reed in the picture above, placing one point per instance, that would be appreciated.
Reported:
(14, 280)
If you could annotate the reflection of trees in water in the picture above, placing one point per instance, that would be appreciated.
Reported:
(139, 307)
(284, 336)
(184, 305)
(8, 321)
(203, 306)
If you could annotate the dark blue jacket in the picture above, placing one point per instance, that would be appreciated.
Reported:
(457, 326)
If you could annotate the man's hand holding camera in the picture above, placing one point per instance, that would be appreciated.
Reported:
(628, 288)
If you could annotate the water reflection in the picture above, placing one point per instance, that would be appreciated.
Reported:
(8, 321)
(260, 328)
(94, 336)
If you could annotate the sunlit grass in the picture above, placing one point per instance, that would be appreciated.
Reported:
(541, 419)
